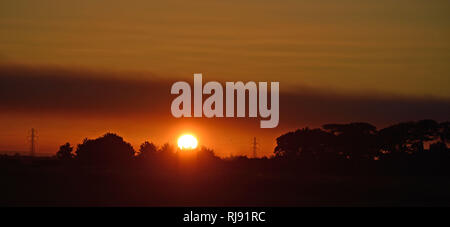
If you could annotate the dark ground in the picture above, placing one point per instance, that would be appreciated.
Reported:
(48, 182)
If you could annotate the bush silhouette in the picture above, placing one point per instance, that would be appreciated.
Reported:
(65, 152)
(108, 149)
(147, 150)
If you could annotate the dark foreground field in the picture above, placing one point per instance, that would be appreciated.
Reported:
(223, 183)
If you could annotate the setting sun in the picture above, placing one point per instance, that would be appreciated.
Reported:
(187, 142)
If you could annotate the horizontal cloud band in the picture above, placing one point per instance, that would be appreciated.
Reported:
(56, 90)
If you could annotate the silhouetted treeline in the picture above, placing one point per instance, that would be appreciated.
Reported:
(332, 143)
(112, 150)
(364, 141)
(338, 164)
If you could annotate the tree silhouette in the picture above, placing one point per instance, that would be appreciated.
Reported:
(167, 149)
(362, 140)
(108, 149)
(147, 150)
(444, 132)
(438, 147)
(422, 131)
(394, 139)
(287, 145)
(65, 152)
(354, 140)
(304, 142)
(442, 137)
(408, 137)
(206, 154)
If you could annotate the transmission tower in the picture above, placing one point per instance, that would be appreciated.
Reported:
(255, 147)
(33, 142)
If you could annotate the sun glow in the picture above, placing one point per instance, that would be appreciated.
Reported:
(187, 142)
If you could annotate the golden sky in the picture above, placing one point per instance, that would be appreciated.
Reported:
(385, 47)
(389, 46)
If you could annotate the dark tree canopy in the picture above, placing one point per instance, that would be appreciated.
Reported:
(303, 142)
(363, 141)
(65, 152)
(147, 150)
(110, 148)
(351, 129)
(444, 131)
(206, 154)
(356, 140)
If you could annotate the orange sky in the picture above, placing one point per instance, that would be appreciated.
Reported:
(371, 53)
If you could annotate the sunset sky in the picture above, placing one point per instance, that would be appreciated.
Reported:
(75, 69)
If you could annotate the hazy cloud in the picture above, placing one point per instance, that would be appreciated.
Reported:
(33, 89)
